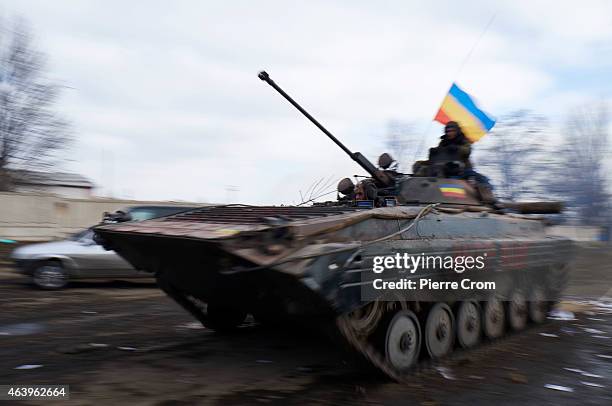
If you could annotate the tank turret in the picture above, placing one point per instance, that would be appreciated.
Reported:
(390, 187)
(435, 181)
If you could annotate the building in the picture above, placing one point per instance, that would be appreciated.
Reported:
(70, 185)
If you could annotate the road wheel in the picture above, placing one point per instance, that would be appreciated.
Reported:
(493, 318)
(439, 331)
(517, 310)
(468, 324)
(222, 317)
(403, 341)
(50, 275)
(538, 307)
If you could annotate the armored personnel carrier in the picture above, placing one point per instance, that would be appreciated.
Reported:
(322, 262)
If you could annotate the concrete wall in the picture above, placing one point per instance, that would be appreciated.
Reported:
(42, 217)
(65, 191)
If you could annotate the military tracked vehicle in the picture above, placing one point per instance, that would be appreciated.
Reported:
(221, 263)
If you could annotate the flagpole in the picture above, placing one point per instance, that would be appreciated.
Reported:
(456, 76)
(469, 54)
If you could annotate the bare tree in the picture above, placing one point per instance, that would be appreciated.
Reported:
(31, 132)
(513, 155)
(581, 177)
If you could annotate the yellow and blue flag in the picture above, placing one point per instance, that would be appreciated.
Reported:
(458, 106)
(453, 190)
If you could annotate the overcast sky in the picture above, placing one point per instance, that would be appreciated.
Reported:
(166, 103)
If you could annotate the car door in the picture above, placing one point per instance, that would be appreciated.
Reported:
(96, 262)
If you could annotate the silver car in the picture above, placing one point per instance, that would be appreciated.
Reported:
(53, 264)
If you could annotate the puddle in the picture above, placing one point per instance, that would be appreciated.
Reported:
(29, 366)
(22, 329)
(561, 315)
(194, 325)
(558, 387)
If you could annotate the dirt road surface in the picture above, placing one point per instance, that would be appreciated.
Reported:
(126, 343)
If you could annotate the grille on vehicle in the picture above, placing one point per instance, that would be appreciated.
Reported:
(256, 214)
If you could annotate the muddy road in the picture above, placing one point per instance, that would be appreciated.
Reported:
(122, 342)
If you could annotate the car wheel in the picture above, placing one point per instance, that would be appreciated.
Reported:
(50, 275)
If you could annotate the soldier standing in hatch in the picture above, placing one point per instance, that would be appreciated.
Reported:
(453, 136)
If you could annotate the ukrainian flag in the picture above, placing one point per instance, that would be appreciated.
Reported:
(458, 106)
(453, 190)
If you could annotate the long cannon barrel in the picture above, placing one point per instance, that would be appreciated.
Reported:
(368, 166)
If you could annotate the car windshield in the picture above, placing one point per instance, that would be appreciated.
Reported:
(86, 234)
(146, 213)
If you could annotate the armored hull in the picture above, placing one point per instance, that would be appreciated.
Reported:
(224, 262)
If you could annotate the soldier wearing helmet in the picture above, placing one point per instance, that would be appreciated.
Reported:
(455, 139)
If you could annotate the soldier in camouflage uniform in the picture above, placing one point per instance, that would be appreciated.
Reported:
(455, 141)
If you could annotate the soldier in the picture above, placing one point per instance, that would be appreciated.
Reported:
(455, 141)
(454, 137)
